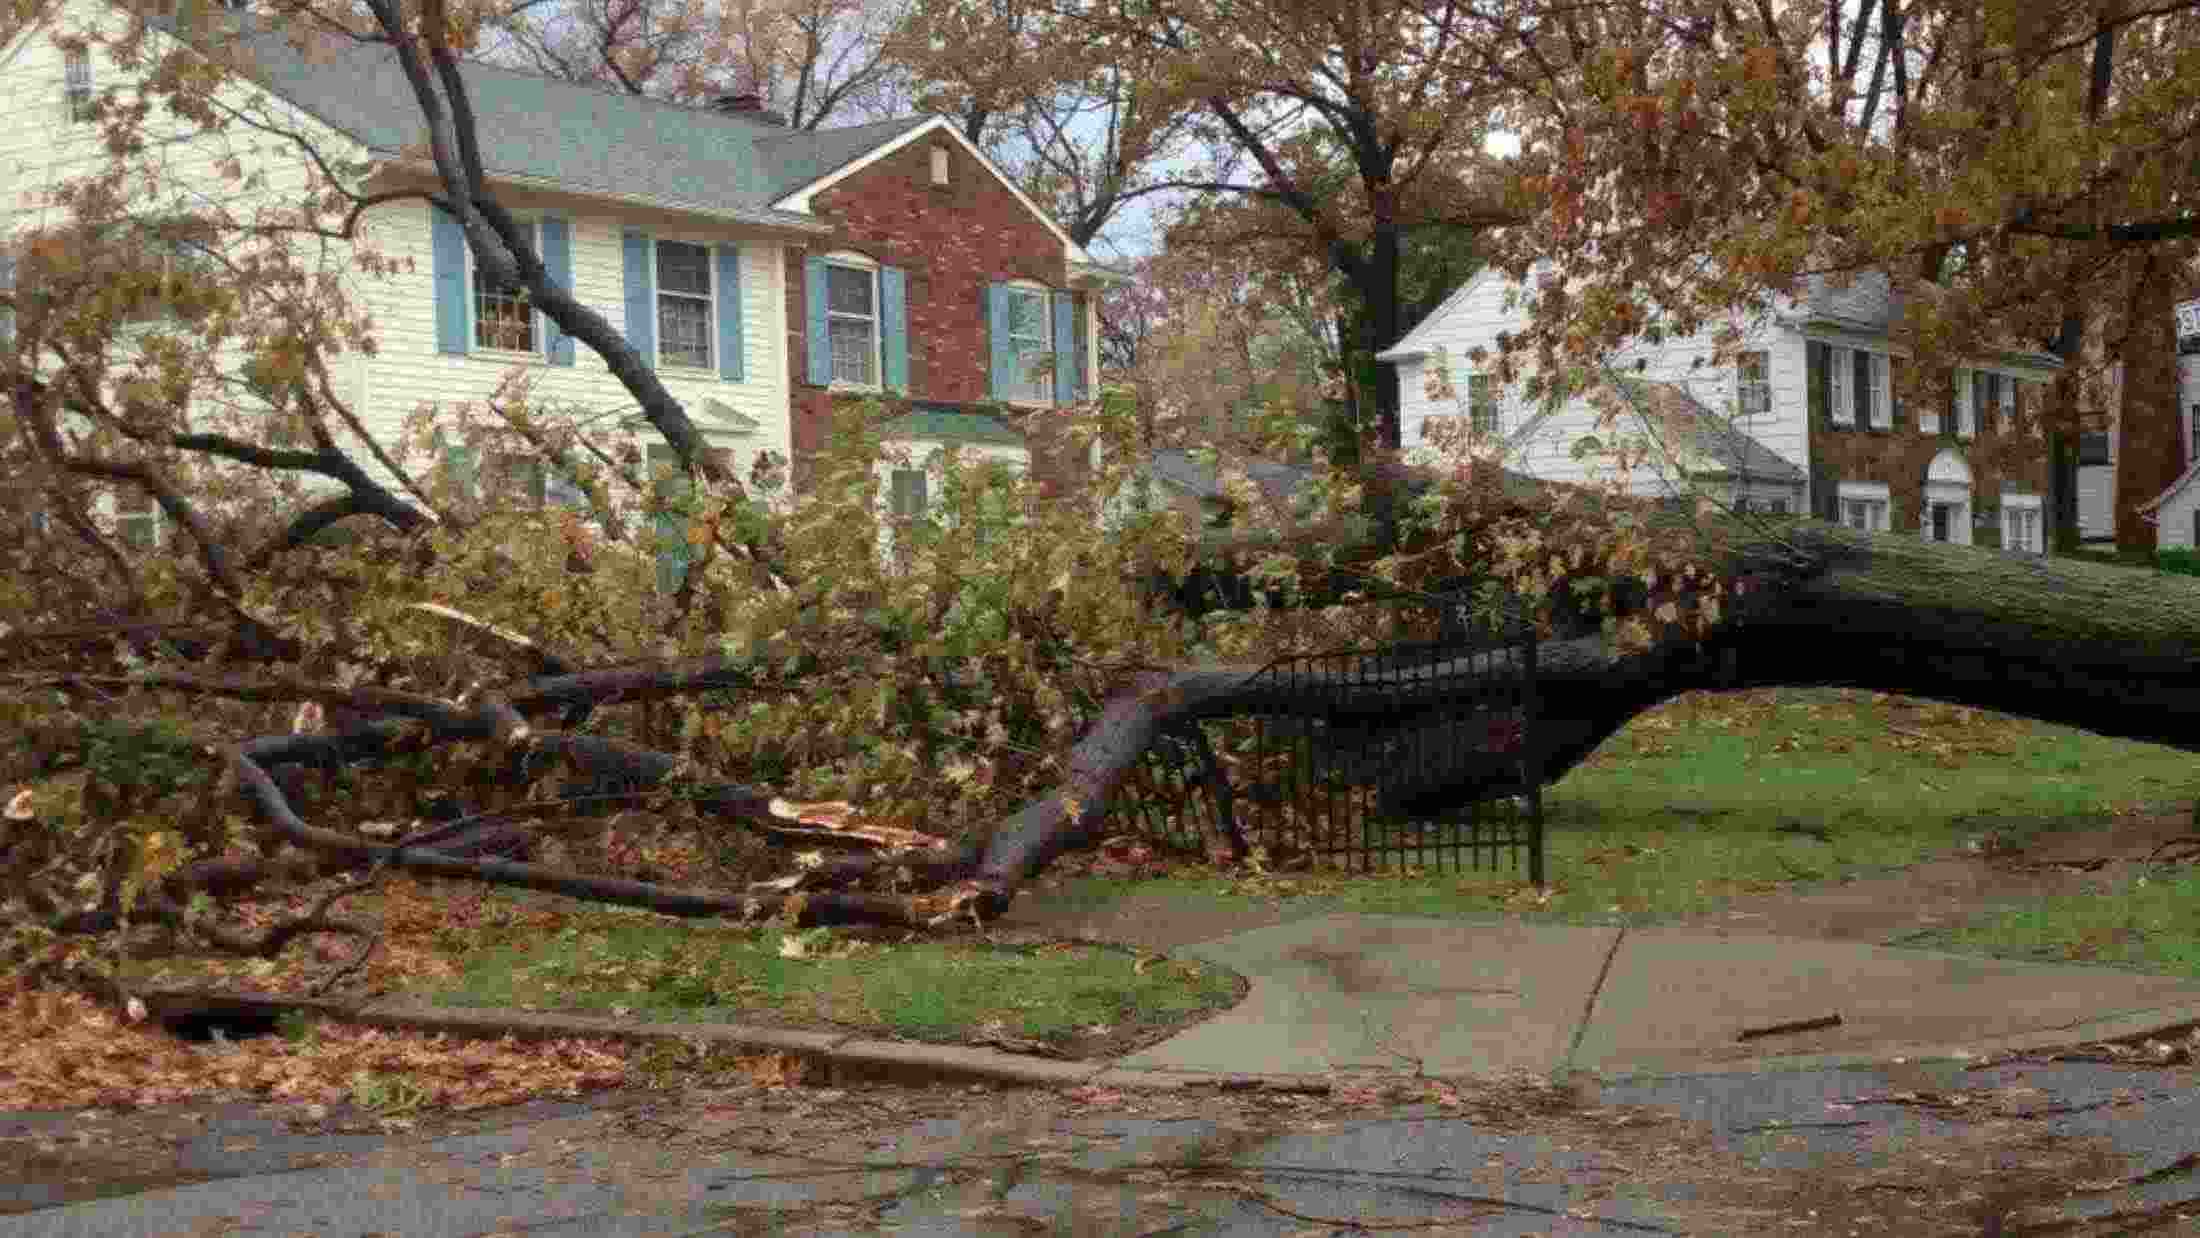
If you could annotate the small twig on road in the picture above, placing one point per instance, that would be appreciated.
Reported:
(1793, 1025)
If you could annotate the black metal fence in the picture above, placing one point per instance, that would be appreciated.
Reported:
(1412, 756)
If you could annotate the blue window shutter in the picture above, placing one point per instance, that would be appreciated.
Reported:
(1065, 350)
(449, 245)
(641, 297)
(1003, 357)
(557, 254)
(1081, 325)
(7, 284)
(893, 319)
(729, 313)
(813, 298)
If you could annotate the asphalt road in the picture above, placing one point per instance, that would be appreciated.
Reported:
(2070, 1148)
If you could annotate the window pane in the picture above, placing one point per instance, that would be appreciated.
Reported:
(1026, 315)
(909, 496)
(502, 316)
(853, 353)
(1482, 402)
(1863, 388)
(683, 324)
(848, 291)
(682, 267)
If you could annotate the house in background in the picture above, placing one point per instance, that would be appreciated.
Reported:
(1809, 399)
(762, 272)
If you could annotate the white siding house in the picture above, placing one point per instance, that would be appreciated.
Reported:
(1804, 419)
(1764, 403)
(677, 224)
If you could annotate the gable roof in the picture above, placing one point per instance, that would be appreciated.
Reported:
(1691, 430)
(1414, 344)
(851, 160)
(579, 138)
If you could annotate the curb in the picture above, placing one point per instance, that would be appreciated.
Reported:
(850, 1056)
(841, 1056)
(2156, 1023)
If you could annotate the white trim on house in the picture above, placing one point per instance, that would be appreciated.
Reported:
(1873, 505)
(850, 260)
(1413, 345)
(799, 200)
(2023, 522)
(1949, 484)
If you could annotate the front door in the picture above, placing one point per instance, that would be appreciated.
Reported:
(1943, 519)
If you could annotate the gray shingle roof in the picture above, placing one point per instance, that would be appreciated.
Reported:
(1687, 426)
(579, 137)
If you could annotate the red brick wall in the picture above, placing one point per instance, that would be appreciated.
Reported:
(952, 240)
(1899, 458)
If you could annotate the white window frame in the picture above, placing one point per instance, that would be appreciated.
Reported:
(1475, 404)
(857, 262)
(1864, 411)
(77, 90)
(2008, 423)
(923, 485)
(939, 165)
(546, 488)
(1023, 364)
(1882, 392)
(1928, 417)
(473, 307)
(1865, 505)
(709, 298)
(1753, 396)
(2023, 523)
(1843, 367)
(150, 517)
(1966, 420)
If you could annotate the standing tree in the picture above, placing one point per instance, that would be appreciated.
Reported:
(813, 61)
(2023, 173)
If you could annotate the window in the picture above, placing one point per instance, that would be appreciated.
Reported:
(2005, 403)
(503, 319)
(1983, 397)
(76, 87)
(1482, 418)
(2192, 444)
(939, 165)
(7, 315)
(1031, 343)
(1869, 515)
(1843, 374)
(662, 466)
(1864, 505)
(523, 479)
(1753, 383)
(851, 322)
(2020, 524)
(1966, 407)
(137, 518)
(683, 304)
(1882, 399)
(909, 496)
(1928, 417)
(1863, 388)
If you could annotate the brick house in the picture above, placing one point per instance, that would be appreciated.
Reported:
(1803, 421)
(761, 271)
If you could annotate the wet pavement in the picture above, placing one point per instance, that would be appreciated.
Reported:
(2082, 1147)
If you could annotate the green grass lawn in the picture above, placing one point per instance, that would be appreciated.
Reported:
(1715, 795)
(624, 962)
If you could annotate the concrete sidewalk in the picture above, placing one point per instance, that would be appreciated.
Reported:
(1370, 993)
(1351, 994)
